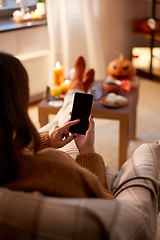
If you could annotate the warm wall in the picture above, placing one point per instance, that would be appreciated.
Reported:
(25, 40)
(114, 25)
(31, 46)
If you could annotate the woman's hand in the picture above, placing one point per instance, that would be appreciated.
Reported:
(85, 143)
(60, 136)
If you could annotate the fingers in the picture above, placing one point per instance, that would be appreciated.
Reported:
(91, 118)
(65, 137)
(53, 129)
(67, 140)
(56, 127)
(65, 134)
(91, 122)
(69, 124)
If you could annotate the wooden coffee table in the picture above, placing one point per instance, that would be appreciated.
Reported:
(126, 116)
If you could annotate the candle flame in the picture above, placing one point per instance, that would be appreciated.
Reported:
(36, 11)
(57, 64)
(66, 81)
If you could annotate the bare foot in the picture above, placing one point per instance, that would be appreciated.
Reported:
(79, 67)
(88, 78)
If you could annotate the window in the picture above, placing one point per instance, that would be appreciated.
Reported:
(8, 6)
(5, 4)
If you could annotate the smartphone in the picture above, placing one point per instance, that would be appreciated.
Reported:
(82, 107)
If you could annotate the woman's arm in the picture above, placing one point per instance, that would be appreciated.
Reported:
(95, 164)
(57, 137)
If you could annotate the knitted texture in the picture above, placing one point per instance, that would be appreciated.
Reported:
(54, 173)
(44, 140)
(94, 163)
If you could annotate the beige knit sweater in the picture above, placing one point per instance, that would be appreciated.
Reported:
(55, 173)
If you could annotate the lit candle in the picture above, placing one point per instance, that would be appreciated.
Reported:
(126, 85)
(18, 15)
(64, 86)
(36, 14)
(58, 74)
(55, 91)
(27, 16)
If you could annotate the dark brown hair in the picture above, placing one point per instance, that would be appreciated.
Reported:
(16, 128)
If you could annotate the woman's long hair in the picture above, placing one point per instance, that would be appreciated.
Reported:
(16, 128)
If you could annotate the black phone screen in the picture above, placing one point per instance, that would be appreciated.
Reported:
(82, 106)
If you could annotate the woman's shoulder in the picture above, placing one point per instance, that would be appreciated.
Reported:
(51, 153)
(48, 155)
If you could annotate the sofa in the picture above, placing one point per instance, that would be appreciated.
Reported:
(132, 214)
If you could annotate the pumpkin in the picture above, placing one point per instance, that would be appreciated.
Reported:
(121, 68)
(145, 25)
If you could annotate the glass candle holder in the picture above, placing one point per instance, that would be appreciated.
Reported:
(126, 85)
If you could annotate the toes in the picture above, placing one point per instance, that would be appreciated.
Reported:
(80, 62)
(88, 79)
(89, 74)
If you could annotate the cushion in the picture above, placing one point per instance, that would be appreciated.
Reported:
(131, 215)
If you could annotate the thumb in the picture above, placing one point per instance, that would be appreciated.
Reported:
(91, 122)
(67, 140)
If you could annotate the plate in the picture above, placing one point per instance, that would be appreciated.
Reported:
(56, 103)
(115, 104)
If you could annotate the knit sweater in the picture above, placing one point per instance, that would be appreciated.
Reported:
(55, 173)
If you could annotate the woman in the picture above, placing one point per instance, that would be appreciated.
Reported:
(46, 169)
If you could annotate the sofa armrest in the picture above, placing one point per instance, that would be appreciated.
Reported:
(131, 215)
(35, 216)
(111, 175)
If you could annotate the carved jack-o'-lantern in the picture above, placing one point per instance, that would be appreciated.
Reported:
(121, 68)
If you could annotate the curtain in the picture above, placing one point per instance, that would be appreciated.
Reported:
(74, 30)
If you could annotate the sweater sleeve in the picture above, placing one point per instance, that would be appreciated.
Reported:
(95, 164)
(44, 136)
(55, 173)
